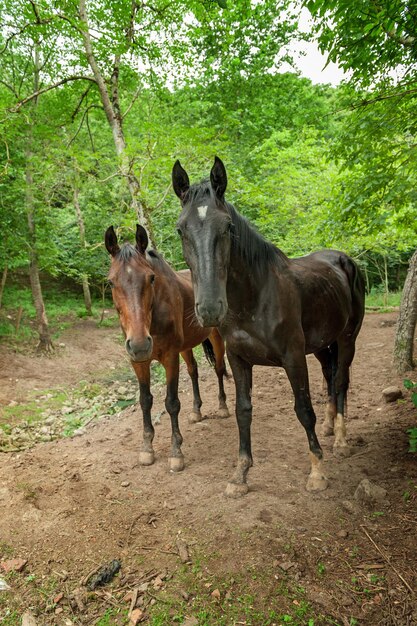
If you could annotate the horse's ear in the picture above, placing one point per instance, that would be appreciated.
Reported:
(218, 177)
(180, 180)
(141, 239)
(110, 239)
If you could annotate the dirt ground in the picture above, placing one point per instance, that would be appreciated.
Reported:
(71, 505)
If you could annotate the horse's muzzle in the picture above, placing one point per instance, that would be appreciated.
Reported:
(210, 315)
(140, 351)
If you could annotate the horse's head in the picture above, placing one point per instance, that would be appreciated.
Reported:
(204, 227)
(132, 282)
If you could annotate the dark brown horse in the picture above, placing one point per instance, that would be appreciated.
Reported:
(156, 312)
(271, 310)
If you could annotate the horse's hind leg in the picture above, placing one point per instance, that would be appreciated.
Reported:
(296, 368)
(220, 367)
(192, 368)
(346, 347)
(328, 360)
(171, 363)
(142, 371)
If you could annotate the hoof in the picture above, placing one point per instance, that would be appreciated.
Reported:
(317, 483)
(236, 490)
(176, 463)
(195, 417)
(223, 412)
(327, 430)
(342, 452)
(146, 458)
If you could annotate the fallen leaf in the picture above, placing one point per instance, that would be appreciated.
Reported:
(215, 594)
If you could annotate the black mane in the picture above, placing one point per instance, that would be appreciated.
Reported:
(246, 240)
(251, 245)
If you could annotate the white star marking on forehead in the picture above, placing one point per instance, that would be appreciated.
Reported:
(202, 211)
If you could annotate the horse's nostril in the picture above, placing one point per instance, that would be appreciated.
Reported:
(149, 339)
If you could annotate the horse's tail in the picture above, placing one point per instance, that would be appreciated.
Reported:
(209, 352)
(211, 357)
(357, 287)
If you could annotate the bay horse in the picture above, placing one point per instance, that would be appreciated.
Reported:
(270, 310)
(156, 311)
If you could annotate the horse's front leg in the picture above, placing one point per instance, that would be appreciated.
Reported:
(296, 368)
(143, 373)
(171, 363)
(192, 368)
(242, 372)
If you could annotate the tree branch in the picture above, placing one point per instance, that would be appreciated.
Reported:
(45, 89)
(135, 97)
(92, 106)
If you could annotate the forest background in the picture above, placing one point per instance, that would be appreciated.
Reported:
(98, 99)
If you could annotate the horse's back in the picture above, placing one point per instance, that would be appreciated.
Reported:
(332, 295)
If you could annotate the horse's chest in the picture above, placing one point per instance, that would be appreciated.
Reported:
(249, 347)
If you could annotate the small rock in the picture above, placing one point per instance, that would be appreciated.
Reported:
(125, 483)
(79, 432)
(343, 534)
(28, 619)
(13, 565)
(286, 565)
(3, 585)
(136, 616)
(157, 583)
(66, 410)
(190, 621)
(391, 394)
(349, 506)
(368, 494)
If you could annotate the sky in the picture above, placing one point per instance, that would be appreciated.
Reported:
(312, 64)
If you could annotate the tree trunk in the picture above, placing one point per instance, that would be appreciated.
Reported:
(81, 228)
(3, 284)
(114, 118)
(404, 337)
(45, 343)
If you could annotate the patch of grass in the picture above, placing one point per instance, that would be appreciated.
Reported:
(63, 308)
(31, 411)
(261, 599)
(10, 618)
(30, 492)
(378, 299)
(113, 617)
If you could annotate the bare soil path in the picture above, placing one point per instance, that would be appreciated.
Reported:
(71, 505)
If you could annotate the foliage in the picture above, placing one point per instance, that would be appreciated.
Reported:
(412, 432)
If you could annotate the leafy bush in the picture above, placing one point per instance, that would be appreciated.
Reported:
(412, 432)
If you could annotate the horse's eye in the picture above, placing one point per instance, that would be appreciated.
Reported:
(152, 278)
(230, 227)
(179, 231)
(110, 284)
